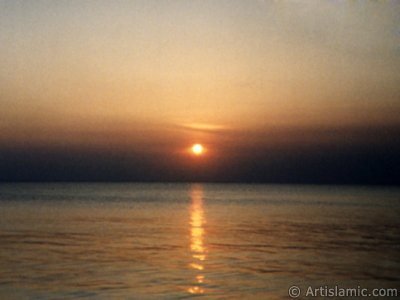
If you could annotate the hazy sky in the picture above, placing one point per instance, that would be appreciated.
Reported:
(143, 80)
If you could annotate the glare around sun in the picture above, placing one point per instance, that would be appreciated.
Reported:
(197, 149)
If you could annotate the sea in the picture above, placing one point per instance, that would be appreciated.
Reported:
(208, 241)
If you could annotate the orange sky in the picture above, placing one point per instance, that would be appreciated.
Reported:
(153, 76)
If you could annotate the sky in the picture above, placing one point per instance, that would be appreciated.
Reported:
(276, 91)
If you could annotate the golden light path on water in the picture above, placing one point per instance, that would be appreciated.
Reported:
(197, 248)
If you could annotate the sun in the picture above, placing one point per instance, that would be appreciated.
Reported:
(197, 149)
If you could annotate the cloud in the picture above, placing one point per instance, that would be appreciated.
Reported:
(203, 127)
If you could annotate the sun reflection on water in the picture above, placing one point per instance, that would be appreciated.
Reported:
(197, 233)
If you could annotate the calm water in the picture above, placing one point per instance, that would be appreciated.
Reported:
(177, 241)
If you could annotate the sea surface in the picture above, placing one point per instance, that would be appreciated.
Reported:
(180, 241)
